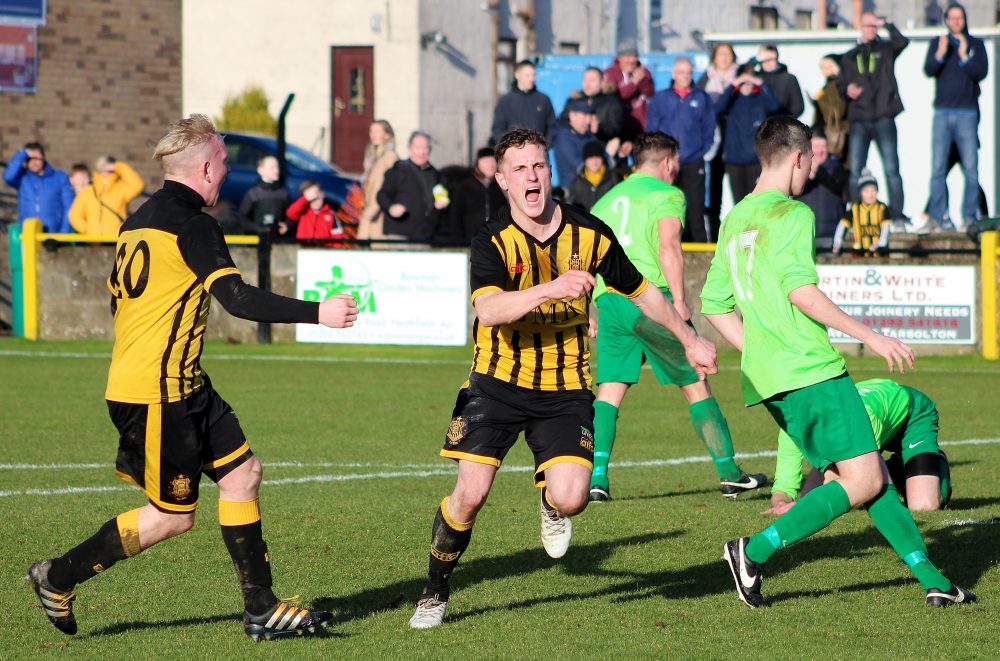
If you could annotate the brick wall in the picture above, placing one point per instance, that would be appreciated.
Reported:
(109, 81)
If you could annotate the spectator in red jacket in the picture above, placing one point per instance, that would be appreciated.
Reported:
(634, 83)
(316, 221)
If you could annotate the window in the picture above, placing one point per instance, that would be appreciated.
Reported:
(803, 19)
(506, 57)
(359, 87)
(243, 155)
(568, 48)
(763, 18)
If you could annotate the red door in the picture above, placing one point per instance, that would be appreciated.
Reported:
(353, 105)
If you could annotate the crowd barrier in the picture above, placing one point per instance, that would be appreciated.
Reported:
(68, 302)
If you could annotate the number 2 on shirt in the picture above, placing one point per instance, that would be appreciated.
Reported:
(742, 285)
(621, 207)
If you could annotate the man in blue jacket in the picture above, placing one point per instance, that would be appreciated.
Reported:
(957, 62)
(42, 191)
(686, 112)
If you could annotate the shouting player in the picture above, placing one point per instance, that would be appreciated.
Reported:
(532, 271)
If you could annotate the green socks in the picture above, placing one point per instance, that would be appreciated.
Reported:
(813, 512)
(605, 423)
(896, 524)
(819, 507)
(708, 422)
(713, 430)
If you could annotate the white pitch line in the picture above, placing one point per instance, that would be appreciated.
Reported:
(259, 358)
(972, 522)
(393, 360)
(433, 466)
(416, 470)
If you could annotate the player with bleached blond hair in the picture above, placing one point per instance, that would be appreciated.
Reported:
(174, 428)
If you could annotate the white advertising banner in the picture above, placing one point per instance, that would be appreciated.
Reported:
(417, 298)
(915, 304)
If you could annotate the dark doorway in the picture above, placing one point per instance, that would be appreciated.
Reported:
(353, 104)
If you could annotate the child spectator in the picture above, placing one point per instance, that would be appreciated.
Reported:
(869, 223)
(79, 177)
(262, 209)
(317, 223)
(593, 178)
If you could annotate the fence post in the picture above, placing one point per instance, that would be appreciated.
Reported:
(988, 247)
(30, 230)
(264, 280)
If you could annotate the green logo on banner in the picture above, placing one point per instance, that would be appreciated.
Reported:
(348, 278)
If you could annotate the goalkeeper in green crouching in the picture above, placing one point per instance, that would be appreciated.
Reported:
(905, 423)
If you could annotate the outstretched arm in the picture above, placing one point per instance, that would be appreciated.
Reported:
(730, 326)
(700, 352)
(249, 302)
(815, 304)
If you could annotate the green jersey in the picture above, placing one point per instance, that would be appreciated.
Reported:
(632, 209)
(888, 407)
(766, 250)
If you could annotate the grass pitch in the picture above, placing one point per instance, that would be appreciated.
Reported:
(349, 439)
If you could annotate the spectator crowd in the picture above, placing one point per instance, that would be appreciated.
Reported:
(409, 202)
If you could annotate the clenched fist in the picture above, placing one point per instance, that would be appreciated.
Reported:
(338, 311)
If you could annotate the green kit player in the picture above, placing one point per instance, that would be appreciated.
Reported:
(905, 423)
(765, 264)
(647, 215)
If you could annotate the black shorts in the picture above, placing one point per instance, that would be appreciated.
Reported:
(165, 448)
(489, 414)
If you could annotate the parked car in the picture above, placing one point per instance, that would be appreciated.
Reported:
(246, 149)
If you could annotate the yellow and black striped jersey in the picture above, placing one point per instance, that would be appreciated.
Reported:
(168, 255)
(548, 348)
(868, 224)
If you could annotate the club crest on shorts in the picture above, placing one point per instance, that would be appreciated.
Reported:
(586, 439)
(180, 487)
(575, 263)
(457, 430)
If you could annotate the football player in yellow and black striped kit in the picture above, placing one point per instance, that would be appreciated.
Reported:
(173, 426)
(533, 267)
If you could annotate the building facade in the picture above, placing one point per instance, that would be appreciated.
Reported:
(109, 81)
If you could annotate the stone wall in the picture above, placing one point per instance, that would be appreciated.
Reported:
(74, 302)
(109, 82)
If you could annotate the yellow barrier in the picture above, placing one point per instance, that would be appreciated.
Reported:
(989, 248)
(698, 247)
(32, 236)
(30, 231)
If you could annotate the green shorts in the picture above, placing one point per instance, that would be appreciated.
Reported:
(827, 421)
(920, 433)
(626, 338)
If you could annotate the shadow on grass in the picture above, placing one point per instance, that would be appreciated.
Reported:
(948, 547)
(582, 560)
(958, 504)
(236, 619)
(759, 494)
